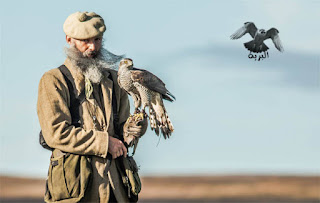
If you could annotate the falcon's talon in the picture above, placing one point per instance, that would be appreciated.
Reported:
(129, 118)
(139, 115)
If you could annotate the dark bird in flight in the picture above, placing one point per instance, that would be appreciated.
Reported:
(257, 45)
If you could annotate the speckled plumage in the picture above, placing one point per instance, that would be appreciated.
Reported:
(125, 82)
(147, 90)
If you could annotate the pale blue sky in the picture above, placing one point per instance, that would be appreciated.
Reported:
(232, 115)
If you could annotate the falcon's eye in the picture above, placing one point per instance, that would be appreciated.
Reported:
(126, 62)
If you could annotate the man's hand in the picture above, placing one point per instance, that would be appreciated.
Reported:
(116, 148)
(134, 128)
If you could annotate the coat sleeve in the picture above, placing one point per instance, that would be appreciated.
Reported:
(55, 121)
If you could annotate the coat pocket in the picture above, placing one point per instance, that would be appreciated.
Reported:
(56, 179)
(68, 178)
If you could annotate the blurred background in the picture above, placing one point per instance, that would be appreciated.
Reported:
(245, 130)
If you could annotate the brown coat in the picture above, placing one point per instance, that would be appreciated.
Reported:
(55, 120)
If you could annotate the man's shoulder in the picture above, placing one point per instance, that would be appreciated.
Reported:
(52, 74)
(54, 71)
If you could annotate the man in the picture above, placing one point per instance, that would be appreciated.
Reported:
(90, 66)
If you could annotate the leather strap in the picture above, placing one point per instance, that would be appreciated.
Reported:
(75, 99)
(115, 110)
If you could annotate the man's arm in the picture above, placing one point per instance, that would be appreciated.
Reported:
(55, 120)
(116, 146)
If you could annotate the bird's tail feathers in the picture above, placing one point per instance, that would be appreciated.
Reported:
(153, 122)
(164, 123)
(170, 125)
(252, 46)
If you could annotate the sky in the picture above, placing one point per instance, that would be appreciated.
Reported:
(233, 115)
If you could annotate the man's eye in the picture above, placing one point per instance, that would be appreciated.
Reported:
(98, 39)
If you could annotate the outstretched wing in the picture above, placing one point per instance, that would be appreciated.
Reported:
(248, 27)
(152, 82)
(273, 34)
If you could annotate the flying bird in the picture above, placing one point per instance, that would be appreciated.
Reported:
(257, 45)
(147, 90)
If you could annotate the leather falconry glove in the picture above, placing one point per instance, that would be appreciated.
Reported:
(134, 128)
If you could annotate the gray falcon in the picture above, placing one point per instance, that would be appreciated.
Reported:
(257, 45)
(146, 89)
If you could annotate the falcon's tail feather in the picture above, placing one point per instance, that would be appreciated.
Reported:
(252, 46)
(153, 121)
(169, 123)
(163, 122)
(166, 126)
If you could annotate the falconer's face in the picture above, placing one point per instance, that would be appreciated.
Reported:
(89, 47)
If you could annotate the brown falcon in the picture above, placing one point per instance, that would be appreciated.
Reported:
(146, 89)
(257, 44)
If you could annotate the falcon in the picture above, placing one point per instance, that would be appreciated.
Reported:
(147, 90)
(257, 45)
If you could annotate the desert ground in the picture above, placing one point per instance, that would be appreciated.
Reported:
(233, 189)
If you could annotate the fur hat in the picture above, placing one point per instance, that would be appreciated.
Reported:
(84, 25)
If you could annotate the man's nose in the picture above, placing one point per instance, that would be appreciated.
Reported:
(92, 46)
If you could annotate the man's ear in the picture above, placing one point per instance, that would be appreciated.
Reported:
(68, 39)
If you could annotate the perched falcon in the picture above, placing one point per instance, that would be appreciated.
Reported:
(257, 45)
(146, 89)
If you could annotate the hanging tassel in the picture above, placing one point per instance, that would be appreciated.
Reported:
(88, 88)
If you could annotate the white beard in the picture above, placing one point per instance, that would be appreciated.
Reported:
(93, 73)
(92, 68)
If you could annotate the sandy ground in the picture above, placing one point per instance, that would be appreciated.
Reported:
(192, 189)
